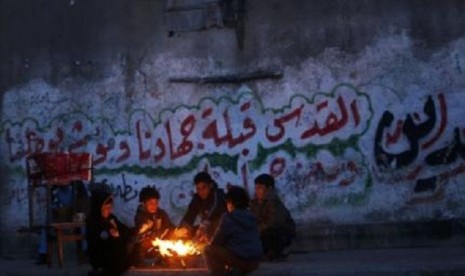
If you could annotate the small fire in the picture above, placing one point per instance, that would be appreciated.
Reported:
(168, 248)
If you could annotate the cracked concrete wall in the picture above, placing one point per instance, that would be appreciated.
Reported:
(359, 118)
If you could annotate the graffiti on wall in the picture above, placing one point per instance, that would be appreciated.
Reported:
(310, 144)
(17, 193)
(15, 196)
(234, 137)
(422, 146)
(177, 135)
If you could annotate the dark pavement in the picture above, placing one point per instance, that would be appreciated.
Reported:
(407, 261)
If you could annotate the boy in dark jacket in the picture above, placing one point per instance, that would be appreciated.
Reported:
(277, 228)
(208, 203)
(236, 245)
(150, 222)
(107, 237)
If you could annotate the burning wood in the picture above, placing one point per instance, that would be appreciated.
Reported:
(179, 248)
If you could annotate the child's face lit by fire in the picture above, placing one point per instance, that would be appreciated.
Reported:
(203, 189)
(106, 210)
(151, 205)
(260, 191)
(229, 206)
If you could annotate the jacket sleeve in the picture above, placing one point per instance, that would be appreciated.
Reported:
(191, 214)
(270, 215)
(166, 221)
(124, 231)
(217, 214)
(266, 216)
(224, 230)
(276, 215)
(138, 221)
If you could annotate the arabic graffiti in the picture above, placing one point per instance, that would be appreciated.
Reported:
(234, 138)
(325, 180)
(179, 135)
(412, 149)
(448, 154)
(124, 191)
(412, 130)
(17, 193)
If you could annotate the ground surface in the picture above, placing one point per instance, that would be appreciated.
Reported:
(407, 261)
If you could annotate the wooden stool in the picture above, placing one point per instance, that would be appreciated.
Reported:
(65, 232)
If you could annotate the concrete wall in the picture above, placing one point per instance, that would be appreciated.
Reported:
(356, 107)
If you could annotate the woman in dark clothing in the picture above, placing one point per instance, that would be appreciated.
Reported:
(208, 204)
(236, 245)
(107, 237)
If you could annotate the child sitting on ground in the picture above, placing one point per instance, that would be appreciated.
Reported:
(151, 222)
(235, 247)
(107, 237)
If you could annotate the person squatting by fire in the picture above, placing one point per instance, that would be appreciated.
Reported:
(151, 223)
(234, 233)
(208, 205)
(276, 225)
(235, 248)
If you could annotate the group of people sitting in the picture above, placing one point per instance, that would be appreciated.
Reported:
(238, 233)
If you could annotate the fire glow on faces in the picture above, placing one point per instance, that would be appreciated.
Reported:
(151, 205)
(203, 189)
(106, 209)
(260, 191)
(229, 206)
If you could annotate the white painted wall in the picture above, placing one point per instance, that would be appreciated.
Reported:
(315, 130)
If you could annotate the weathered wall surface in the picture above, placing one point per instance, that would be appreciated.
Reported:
(364, 125)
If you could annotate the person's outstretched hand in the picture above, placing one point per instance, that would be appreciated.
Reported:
(146, 226)
(181, 232)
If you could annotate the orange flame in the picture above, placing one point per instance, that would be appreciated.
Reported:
(168, 248)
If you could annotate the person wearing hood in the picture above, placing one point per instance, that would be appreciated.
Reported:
(107, 237)
(235, 246)
(208, 204)
(277, 228)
